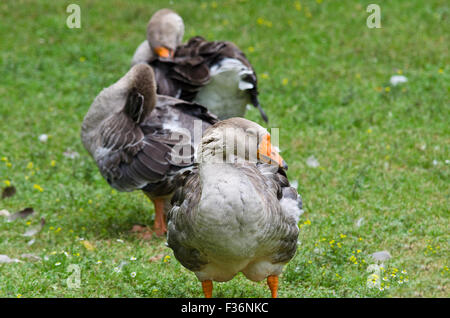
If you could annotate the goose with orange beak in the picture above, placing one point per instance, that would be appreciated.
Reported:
(216, 74)
(235, 212)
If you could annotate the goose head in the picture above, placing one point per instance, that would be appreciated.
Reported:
(237, 140)
(119, 108)
(165, 32)
(140, 92)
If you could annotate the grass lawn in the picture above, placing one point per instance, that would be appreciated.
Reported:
(383, 150)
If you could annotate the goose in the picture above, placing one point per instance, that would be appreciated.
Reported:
(215, 74)
(235, 211)
(141, 140)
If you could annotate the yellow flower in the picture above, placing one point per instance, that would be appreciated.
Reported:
(58, 230)
(19, 295)
(82, 59)
(339, 244)
(214, 5)
(441, 71)
(251, 49)
(360, 239)
(285, 81)
(90, 202)
(53, 163)
(332, 242)
(166, 258)
(264, 75)
(343, 235)
(298, 6)
(38, 187)
(7, 182)
(369, 131)
(399, 72)
(5, 159)
(9, 164)
(307, 222)
(358, 251)
(387, 89)
(319, 1)
(30, 165)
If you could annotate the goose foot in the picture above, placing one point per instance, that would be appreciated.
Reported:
(272, 281)
(207, 286)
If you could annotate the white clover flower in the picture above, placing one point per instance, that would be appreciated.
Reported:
(132, 258)
(133, 274)
(43, 138)
(57, 264)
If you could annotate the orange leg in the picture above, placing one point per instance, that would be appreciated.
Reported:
(160, 220)
(207, 286)
(272, 281)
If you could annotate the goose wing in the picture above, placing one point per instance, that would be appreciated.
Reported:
(136, 155)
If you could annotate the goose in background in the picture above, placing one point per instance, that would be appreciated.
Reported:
(131, 133)
(235, 211)
(214, 74)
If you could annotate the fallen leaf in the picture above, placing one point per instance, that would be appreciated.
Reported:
(381, 256)
(156, 258)
(398, 79)
(35, 229)
(88, 245)
(5, 213)
(7, 259)
(8, 192)
(21, 214)
(359, 222)
(142, 231)
(31, 257)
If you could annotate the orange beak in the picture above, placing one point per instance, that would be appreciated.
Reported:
(267, 154)
(164, 52)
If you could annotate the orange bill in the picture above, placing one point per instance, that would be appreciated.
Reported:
(164, 52)
(267, 154)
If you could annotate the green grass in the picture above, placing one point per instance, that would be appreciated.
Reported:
(324, 79)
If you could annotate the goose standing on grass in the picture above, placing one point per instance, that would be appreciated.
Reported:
(235, 216)
(131, 133)
(214, 74)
